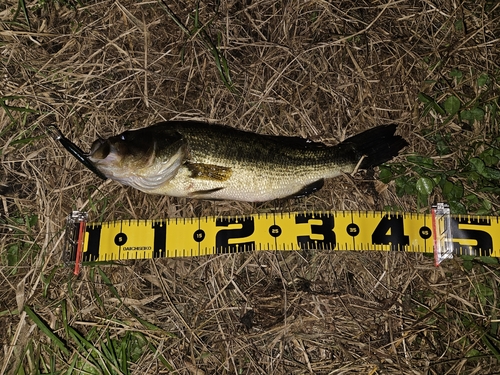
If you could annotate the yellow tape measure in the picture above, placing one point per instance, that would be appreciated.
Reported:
(439, 233)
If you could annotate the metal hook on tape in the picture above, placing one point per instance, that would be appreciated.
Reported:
(441, 229)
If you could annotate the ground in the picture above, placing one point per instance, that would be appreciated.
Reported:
(316, 69)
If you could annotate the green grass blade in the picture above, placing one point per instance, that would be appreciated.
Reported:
(158, 355)
(46, 329)
(77, 338)
(22, 5)
(109, 351)
(174, 18)
(123, 353)
(200, 29)
(103, 359)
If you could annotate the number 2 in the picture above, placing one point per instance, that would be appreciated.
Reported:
(223, 236)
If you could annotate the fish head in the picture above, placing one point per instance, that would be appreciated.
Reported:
(123, 150)
(140, 158)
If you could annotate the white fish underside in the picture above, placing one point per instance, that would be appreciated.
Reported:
(246, 185)
(246, 182)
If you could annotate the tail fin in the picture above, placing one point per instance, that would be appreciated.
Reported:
(378, 145)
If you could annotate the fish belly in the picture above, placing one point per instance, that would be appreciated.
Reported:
(248, 185)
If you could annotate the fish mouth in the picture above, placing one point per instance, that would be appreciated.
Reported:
(76, 151)
(100, 149)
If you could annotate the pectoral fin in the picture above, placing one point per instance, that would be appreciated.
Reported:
(309, 189)
(209, 171)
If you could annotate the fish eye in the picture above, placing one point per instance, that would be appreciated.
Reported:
(124, 136)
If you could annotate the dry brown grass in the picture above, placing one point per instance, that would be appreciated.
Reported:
(319, 69)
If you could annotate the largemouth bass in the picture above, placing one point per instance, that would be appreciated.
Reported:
(200, 160)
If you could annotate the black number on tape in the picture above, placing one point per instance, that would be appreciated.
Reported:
(390, 231)
(223, 236)
(325, 229)
(160, 239)
(484, 242)
(92, 253)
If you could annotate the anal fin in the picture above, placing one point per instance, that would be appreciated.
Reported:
(309, 189)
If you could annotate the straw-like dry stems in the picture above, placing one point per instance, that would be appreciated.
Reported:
(319, 69)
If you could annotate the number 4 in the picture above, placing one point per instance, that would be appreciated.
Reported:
(390, 231)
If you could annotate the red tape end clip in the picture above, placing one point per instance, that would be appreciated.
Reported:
(76, 224)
